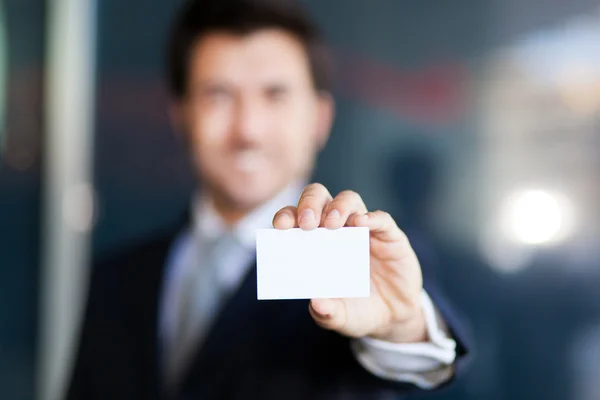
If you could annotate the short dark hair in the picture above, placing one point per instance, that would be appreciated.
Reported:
(241, 17)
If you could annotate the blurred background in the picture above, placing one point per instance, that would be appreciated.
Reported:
(475, 122)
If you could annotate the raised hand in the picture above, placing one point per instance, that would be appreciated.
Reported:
(393, 311)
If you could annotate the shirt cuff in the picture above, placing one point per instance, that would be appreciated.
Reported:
(426, 364)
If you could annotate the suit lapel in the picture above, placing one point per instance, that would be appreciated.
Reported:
(236, 310)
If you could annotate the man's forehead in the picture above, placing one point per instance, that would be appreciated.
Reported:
(261, 54)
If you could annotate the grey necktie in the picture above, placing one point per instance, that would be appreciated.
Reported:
(198, 302)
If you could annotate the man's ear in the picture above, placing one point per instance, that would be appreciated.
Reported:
(326, 114)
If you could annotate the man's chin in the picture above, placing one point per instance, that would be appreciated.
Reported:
(250, 201)
(248, 198)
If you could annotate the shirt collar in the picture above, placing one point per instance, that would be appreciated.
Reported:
(209, 225)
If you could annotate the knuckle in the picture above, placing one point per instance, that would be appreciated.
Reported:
(383, 215)
(348, 200)
(309, 196)
(348, 194)
(313, 188)
(309, 200)
(314, 195)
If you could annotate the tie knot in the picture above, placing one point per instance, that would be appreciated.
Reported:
(209, 244)
(219, 246)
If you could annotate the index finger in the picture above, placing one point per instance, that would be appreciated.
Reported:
(315, 197)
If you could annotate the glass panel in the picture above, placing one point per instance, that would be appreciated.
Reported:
(21, 68)
(132, 113)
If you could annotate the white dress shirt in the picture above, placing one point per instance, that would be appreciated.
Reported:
(426, 364)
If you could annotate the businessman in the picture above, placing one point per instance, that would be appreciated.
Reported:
(177, 316)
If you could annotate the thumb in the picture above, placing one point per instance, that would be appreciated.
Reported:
(328, 313)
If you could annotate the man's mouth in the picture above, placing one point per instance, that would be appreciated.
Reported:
(249, 161)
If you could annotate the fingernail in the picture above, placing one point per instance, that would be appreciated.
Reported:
(333, 214)
(307, 216)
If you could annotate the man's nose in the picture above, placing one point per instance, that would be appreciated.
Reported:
(250, 121)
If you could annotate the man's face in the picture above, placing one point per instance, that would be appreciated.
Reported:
(254, 119)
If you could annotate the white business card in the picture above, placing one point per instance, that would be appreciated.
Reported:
(322, 263)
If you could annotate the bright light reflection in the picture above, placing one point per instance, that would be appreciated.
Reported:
(535, 217)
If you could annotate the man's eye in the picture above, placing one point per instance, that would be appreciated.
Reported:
(276, 93)
(217, 94)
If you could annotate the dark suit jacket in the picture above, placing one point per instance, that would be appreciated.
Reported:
(255, 350)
